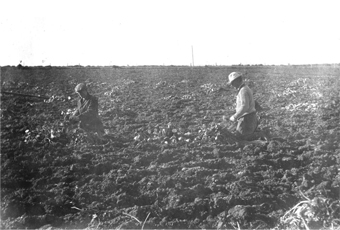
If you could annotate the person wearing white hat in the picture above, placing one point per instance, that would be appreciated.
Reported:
(245, 115)
(87, 111)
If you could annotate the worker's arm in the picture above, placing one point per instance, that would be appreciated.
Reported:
(222, 89)
(91, 110)
(75, 116)
(77, 112)
(242, 104)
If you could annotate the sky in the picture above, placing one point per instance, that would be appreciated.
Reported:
(169, 32)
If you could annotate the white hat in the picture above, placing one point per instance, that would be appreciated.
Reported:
(80, 87)
(233, 76)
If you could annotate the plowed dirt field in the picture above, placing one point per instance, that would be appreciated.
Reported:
(165, 161)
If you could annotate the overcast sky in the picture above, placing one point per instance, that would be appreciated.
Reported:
(163, 32)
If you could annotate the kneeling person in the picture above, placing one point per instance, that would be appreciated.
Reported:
(245, 108)
(87, 111)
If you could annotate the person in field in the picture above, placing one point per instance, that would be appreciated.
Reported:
(86, 114)
(245, 115)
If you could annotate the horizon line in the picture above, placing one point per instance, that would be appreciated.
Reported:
(191, 66)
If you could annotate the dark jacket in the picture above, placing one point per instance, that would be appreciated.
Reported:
(87, 111)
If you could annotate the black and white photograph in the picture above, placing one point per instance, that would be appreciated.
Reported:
(159, 114)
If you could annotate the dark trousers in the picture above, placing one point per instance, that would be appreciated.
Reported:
(92, 125)
(246, 126)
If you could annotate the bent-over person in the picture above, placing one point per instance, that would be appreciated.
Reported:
(245, 115)
(87, 111)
